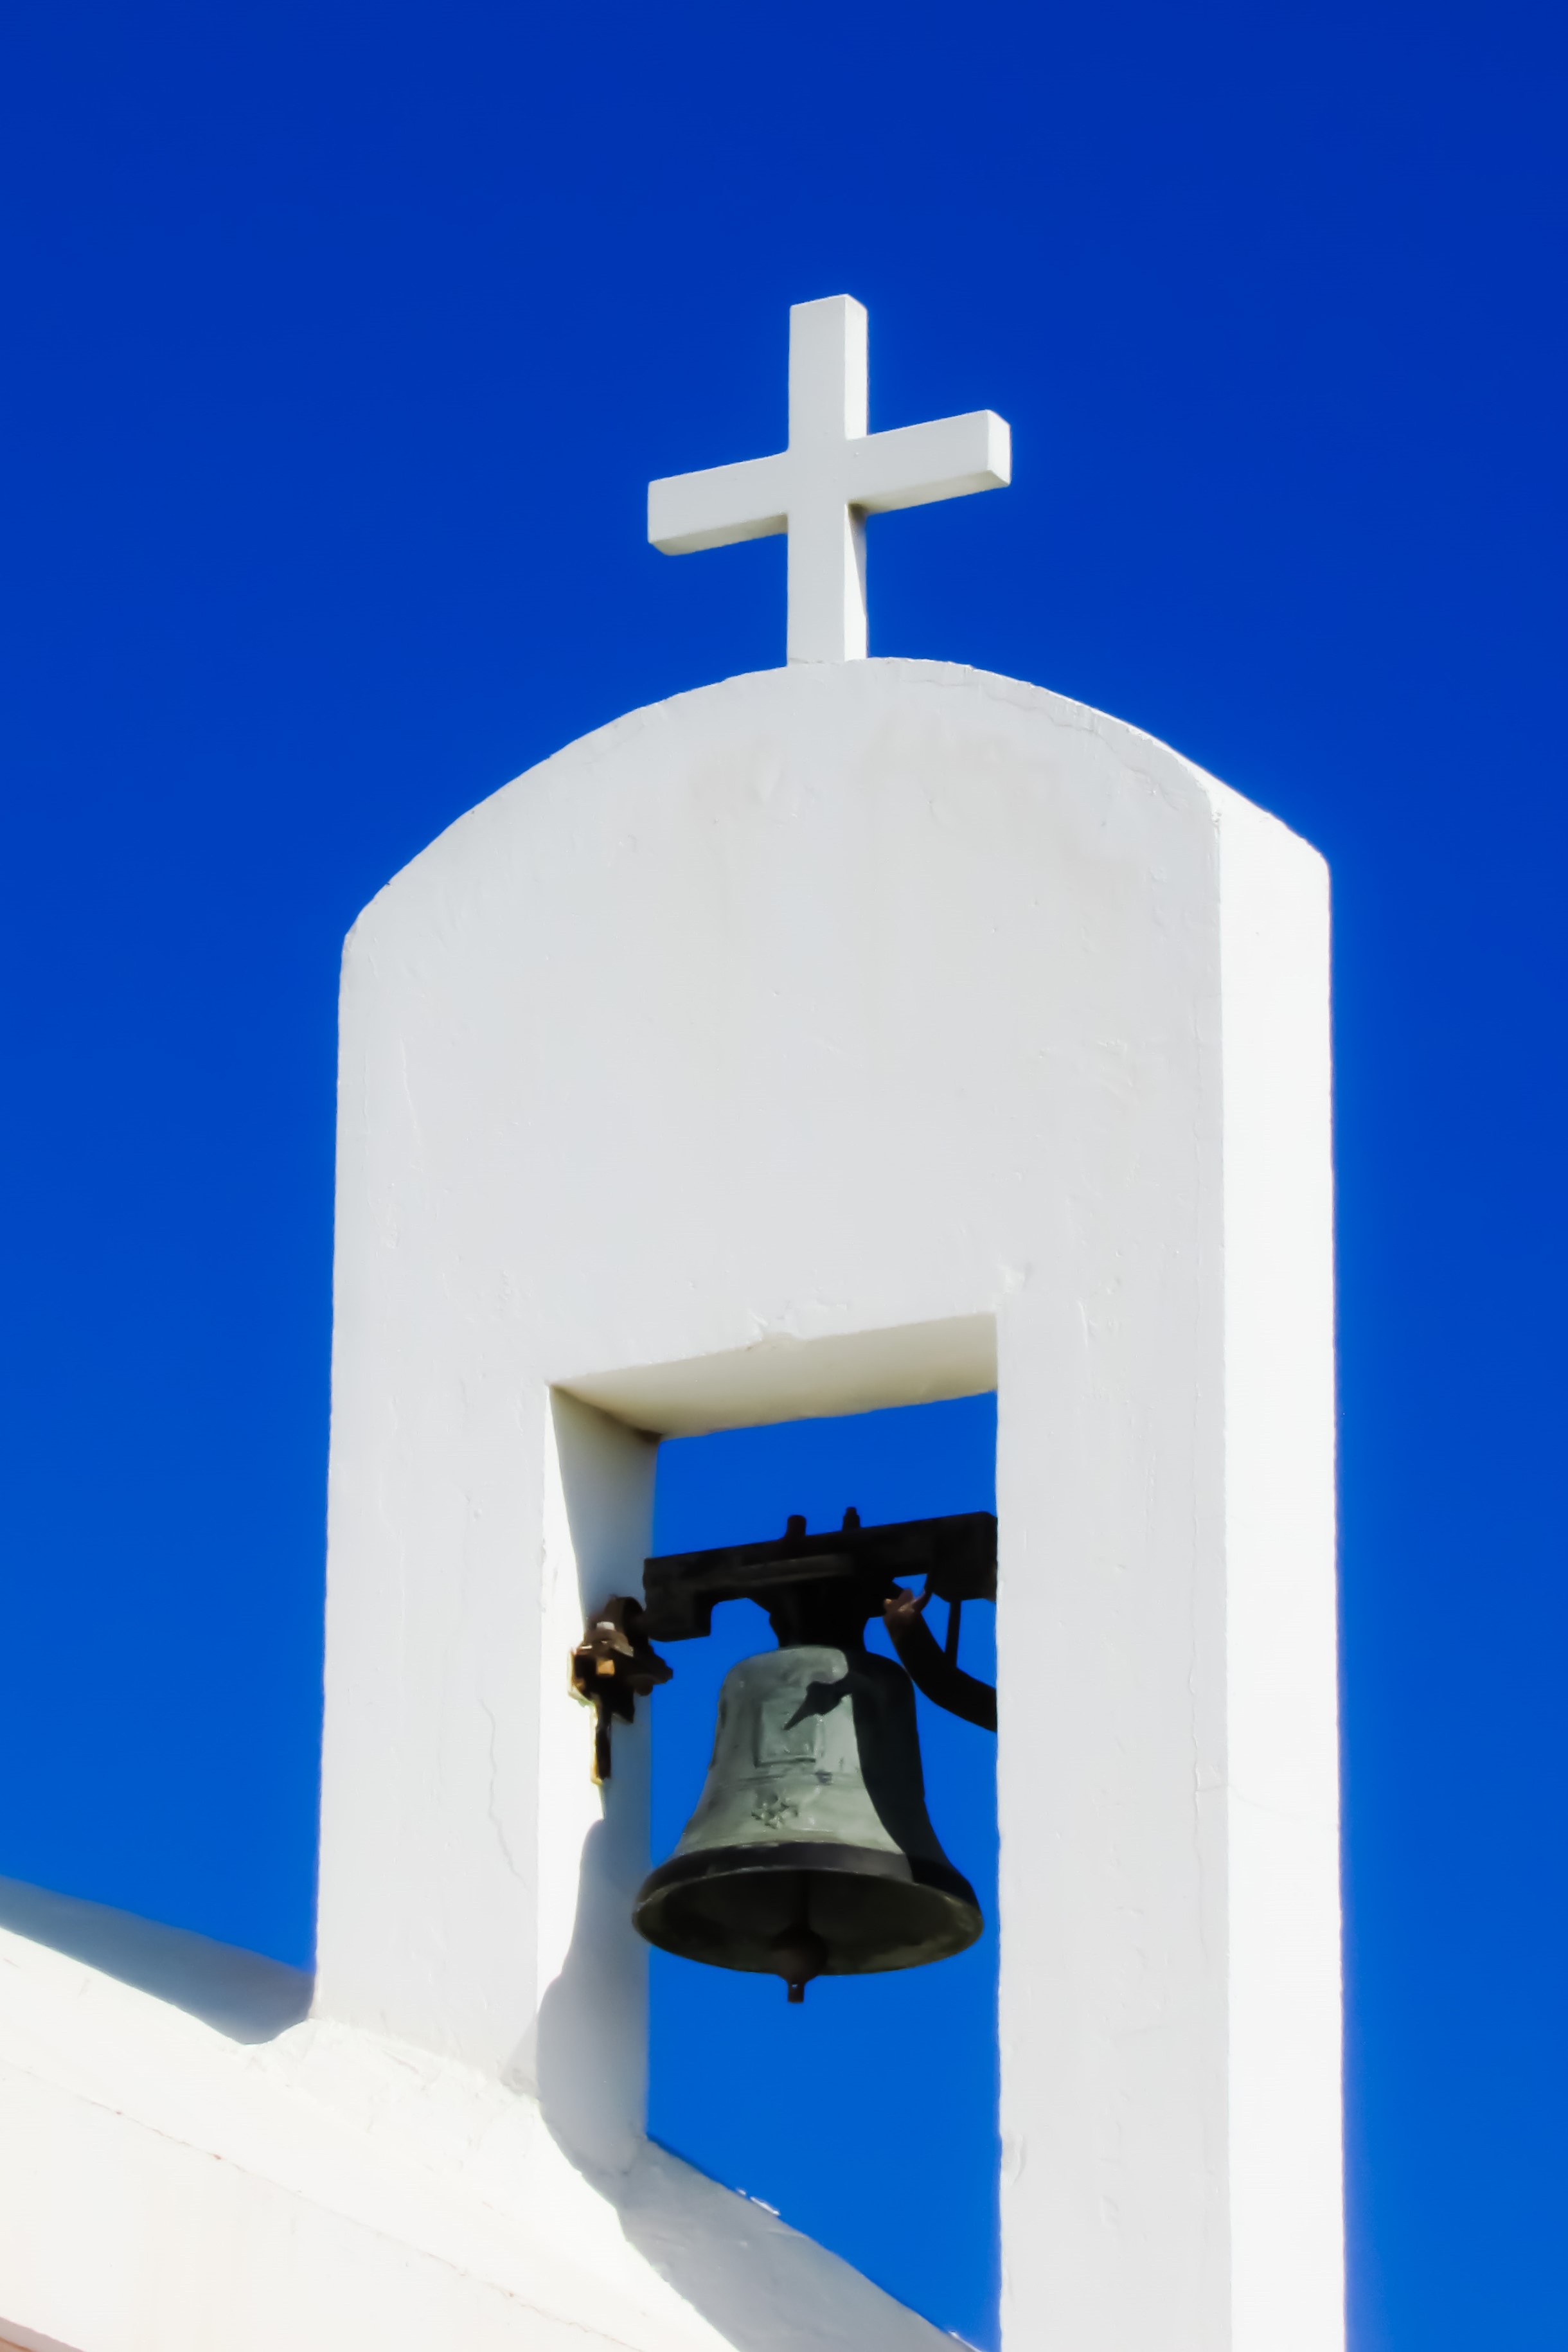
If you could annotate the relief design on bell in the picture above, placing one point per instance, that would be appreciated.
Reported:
(775, 1811)
(789, 1728)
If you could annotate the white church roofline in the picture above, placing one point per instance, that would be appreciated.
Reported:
(243, 1994)
(332, 2188)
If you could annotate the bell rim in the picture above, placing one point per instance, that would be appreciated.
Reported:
(806, 1854)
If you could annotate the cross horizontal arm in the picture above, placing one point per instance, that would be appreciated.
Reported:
(720, 506)
(918, 464)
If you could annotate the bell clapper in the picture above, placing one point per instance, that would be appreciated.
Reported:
(799, 1953)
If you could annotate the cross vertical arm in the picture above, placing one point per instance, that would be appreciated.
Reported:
(828, 397)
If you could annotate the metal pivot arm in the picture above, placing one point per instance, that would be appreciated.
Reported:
(934, 1671)
(957, 1557)
(612, 1667)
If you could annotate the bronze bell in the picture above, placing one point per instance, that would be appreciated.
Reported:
(810, 1851)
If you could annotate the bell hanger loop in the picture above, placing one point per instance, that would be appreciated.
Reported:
(933, 1670)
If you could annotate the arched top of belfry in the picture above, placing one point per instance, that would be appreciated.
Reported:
(796, 711)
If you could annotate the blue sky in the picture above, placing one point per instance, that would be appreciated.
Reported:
(342, 342)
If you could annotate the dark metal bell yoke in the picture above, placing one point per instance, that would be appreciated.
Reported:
(810, 1851)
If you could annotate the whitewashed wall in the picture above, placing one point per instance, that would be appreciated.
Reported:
(167, 2188)
(835, 1037)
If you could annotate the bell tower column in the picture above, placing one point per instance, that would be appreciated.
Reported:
(847, 1036)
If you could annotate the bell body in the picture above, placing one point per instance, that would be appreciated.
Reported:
(811, 1853)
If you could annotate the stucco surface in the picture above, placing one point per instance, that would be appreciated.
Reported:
(165, 2187)
(837, 1035)
(833, 1037)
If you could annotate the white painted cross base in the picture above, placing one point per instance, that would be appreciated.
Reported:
(838, 1037)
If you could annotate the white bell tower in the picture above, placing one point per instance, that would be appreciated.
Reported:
(853, 1033)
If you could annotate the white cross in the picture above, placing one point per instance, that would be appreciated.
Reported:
(833, 475)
